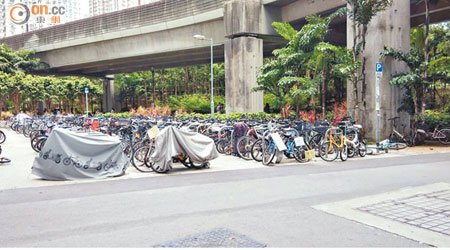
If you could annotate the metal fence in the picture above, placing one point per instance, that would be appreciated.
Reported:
(149, 14)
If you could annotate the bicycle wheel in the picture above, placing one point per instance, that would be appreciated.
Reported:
(244, 147)
(362, 149)
(4, 160)
(344, 153)
(26, 132)
(351, 151)
(196, 165)
(444, 136)
(397, 146)
(269, 154)
(408, 141)
(395, 138)
(221, 146)
(147, 161)
(159, 169)
(2, 137)
(314, 142)
(138, 159)
(34, 133)
(256, 150)
(299, 154)
(40, 144)
(227, 148)
(34, 143)
(328, 151)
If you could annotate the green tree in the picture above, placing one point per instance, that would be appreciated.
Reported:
(437, 69)
(12, 61)
(295, 70)
(411, 81)
(4, 89)
(329, 60)
(426, 49)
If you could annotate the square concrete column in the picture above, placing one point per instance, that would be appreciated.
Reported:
(243, 57)
(109, 100)
(391, 29)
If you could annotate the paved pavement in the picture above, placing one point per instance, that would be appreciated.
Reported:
(273, 206)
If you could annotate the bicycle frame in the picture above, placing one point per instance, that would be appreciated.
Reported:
(333, 141)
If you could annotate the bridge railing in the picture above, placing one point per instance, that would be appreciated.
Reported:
(144, 15)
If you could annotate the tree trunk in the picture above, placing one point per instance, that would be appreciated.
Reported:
(363, 81)
(426, 51)
(1, 106)
(186, 80)
(324, 91)
(355, 75)
(146, 94)
(16, 100)
(48, 104)
(82, 104)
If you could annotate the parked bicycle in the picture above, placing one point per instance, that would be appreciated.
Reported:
(439, 134)
(396, 136)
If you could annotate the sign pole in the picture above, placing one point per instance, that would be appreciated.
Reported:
(379, 75)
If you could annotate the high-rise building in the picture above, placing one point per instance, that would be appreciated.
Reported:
(98, 7)
(75, 10)
(3, 18)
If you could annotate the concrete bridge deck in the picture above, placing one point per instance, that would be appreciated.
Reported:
(159, 35)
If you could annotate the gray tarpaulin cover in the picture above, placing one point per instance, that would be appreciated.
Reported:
(171, 142)
(70, 155)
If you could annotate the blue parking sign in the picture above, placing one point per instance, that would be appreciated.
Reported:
(379, 67)
(86, 90)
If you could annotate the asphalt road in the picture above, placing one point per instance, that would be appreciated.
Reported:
(271, 205)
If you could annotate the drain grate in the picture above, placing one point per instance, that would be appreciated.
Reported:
(219, 237)
(429, 211)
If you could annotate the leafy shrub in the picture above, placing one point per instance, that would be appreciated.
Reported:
(234, 116)
(119, 115)
(195, 103)
(274, 103)
(6, 115)
(433, 118)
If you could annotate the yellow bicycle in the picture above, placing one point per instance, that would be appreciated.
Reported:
(329, 149)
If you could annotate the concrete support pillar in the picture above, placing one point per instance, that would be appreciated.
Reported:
(243, 56)
(391, 29)
(109, 100)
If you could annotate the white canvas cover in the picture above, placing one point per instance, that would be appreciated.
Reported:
(70, 155)
(171, 142)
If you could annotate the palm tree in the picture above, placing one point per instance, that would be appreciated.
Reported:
(288, 73)
(330, 60)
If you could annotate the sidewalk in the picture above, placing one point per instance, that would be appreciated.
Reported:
(17, 174)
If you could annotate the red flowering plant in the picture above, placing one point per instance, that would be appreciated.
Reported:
(308, 116)
(340, 111)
